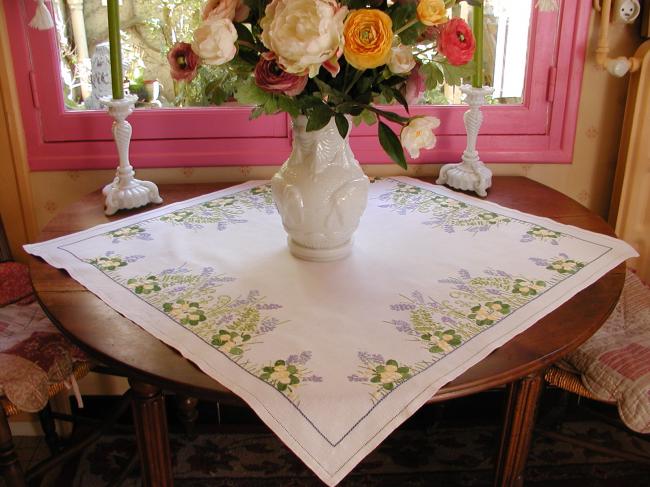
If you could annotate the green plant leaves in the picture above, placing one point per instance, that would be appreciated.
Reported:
(342, 124)
(433, 75)
(249, 93)
(391, 144)
(319, 117)
(454, 74)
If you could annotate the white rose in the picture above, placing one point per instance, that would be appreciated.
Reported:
(303, 34)
(215, 41)
(401, 59)
(418, 134)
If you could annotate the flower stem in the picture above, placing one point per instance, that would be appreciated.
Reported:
(410, 23)
(357, 77)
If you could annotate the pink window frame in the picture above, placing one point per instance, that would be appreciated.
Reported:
(542, 129)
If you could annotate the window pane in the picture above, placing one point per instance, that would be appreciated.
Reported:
(505, 51)
(151, 27)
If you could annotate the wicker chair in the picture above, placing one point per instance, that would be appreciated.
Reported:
(10, 468)
(607, 360)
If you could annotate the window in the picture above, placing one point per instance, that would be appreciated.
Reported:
(535, 67)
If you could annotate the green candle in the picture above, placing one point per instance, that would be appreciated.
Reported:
(116, 48)
(477, 79)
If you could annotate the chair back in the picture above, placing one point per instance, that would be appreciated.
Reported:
(5, 253)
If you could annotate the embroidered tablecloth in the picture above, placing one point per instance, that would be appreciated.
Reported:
(334, 356)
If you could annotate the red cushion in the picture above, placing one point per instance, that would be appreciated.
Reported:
(15, 283)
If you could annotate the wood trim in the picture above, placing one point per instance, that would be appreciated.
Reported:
(16, 203)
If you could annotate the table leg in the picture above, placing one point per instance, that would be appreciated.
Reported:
(187, 413)
(9, 466)
(151, 431)
(519, 421)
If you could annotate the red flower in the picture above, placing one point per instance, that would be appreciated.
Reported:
(271, 78)
(183, 62)
(457, 42)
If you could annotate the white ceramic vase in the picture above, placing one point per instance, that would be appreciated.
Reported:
(321, 193)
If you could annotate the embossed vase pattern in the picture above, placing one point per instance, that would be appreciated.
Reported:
(321, 193)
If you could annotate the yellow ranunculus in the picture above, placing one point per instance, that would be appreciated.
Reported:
(368, 38)
(432, 12)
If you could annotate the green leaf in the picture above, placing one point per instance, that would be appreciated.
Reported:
(326, 89)
(342, 124)
(289, 105)
(454, 74)
(368, 117)
(433, 75)
(400, 98)
(393, 117)
(391, 144)
(307, 102)
(249, 93)
(256, 113)
(319, 117)
(387, 94)
(244, 34)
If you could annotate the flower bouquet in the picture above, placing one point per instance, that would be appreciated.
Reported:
(330, 60)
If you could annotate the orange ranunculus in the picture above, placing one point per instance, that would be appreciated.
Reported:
(432, 12)
(368, 38)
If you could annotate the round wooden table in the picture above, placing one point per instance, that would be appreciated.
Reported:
(153, 366)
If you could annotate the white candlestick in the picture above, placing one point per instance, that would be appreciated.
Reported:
(470, 174)
(125, 192)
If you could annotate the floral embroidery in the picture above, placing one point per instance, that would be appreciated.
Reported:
(543, 234)
(528, 288)
(474, 303)
(489, 313)
(492, 218)
(145, 285)
(562, 264)
(444, 212)
(382, 375)
(111, 261)
(178, 216)
(281, 375)
(230, 324)
(128, 233)
(565, 266)
(184, 312)
(286, 375)
(390, 374)
(230, 341)
(224, 210)
(443, 341)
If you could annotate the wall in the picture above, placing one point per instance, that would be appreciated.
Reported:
(588, 179)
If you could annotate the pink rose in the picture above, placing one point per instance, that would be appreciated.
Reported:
(271, 78)
(457, 42)
(235, 10)
(183, 62)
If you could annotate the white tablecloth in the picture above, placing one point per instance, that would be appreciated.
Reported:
(334, 356)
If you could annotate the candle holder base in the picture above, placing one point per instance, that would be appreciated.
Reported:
(125, 192)
(470, 174)
(136, 193)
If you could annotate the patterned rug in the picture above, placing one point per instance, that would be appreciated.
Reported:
(410, 457)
